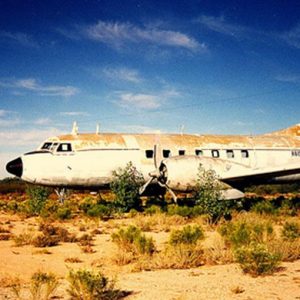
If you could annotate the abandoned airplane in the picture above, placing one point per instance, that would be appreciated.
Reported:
(168, 160)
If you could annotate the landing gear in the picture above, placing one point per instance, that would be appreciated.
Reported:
(61, 194)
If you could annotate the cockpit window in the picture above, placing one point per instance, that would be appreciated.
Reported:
(53, 147)
(46, 146)
(64, 147)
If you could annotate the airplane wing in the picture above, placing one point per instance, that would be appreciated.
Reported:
(249, 176)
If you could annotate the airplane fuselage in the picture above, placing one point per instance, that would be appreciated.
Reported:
(88, 160)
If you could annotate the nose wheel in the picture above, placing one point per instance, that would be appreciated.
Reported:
(61, 194)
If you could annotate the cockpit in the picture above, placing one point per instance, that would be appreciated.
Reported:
(56, 147)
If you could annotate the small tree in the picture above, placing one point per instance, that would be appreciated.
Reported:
(38, 196)
(208, 194)
(125, 186)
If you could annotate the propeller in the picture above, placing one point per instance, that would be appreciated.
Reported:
(159, 173)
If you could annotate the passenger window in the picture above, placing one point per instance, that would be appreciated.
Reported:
(66, 147)
(46, 146)
(230, 153)
(215, 153)
(198, 152)
(245, 153)
(166, 153)
(149, 153)
(181, 152)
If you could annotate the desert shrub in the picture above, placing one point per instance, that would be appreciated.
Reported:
(208, 194)
(43, 285)
(73, 260)
(289, 250)
(100, 210)
(43, 240)
(187, 235)
(264, 207)
(132, 240)
(3, 205)
(125, 185)
(37, 198)
(183, 211)
(242, 232)
(12, 206)
(63, 213)
(23, 239)
(291, 231)
(62, 234)
(87, 203)
(152, 210)
(256, 259)
(88, 285)
(85, 240)
(5, 236)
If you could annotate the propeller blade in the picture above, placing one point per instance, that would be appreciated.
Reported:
(173, 195)
(144, 186)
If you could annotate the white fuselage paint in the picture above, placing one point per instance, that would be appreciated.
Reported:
(92, 166)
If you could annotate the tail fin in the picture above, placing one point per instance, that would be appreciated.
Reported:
(290, 131)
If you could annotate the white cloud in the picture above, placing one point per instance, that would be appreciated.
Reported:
(3, 112)
(43, 121)
(123, 74)
(31, 84)
(116, 34)
(9, 122)
(74, 113)
(220, 25)
(140, 101)
(19, 38)
(26, 137)
(292, 37)
(288, 78)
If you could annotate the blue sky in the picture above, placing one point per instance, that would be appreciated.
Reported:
(146, 66)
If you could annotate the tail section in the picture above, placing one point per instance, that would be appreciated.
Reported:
(290, 131)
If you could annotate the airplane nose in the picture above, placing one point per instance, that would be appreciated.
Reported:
(15, 167)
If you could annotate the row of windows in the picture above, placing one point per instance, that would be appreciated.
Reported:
(63, 147)
(214, 153)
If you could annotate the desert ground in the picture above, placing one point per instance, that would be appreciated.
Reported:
(208, 281)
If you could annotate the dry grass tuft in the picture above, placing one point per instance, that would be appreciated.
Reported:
(73, 260)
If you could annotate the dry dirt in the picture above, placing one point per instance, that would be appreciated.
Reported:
(206, 282)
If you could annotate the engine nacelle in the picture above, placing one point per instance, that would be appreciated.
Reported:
(180, 173)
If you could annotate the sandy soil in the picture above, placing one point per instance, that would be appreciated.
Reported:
(207, 282)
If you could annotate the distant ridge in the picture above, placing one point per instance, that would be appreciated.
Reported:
(290, 131)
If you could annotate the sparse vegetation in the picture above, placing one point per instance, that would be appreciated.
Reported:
(43, 285)
(188, 235)
(133, 240)
(291, 231)
(88, 285)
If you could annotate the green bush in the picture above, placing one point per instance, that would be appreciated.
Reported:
(37, 198)
(242, 233)
(264, 207)
(188, 235)
(63, 213)
(89, 285)
(256, 259)
(132, 240)
(125, 185)
(12, 206)
(100, 210)
(152, 210)
(208, 195)
(291, 231)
